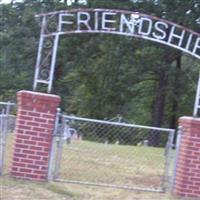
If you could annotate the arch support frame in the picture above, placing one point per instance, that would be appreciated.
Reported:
(107, 21)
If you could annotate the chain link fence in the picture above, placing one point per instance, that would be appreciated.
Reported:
(112, 154)
(7, 124)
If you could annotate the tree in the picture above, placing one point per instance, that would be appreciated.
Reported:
(102, 76)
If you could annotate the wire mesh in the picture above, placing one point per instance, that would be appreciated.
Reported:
(7, 124)
(112, 154)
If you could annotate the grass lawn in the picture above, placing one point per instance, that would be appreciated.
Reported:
(93, 161)
(11, 189)
(133, 166)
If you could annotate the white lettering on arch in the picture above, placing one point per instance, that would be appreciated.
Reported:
(65, 19)
(81, 21)
(106, 21)
(145, 30)
(176, 36)
(161, 28)
(126, 23)
(197, 46)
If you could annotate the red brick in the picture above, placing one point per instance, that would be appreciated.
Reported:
(197, 183)
(48, 126)
(40, 162)
(45, 135)
(33, 129)
(34, 157)
(18, 141)
(18, 174)
(191, 195)
(197, 145)
(19, 136)
(45, 158)
(33, 166)
(193, 187)
(38, 129)
(25, 170)
(32, 133)
(196, 163)
(20, 155)
(18, 164)
(41, 120)
(195, 171)
(195, 179)
(16, 159)
(51, 122)
(37, 138)
(22, 146)
(33, 176)
(27, 161)
(42, 153)
(37, 148)
(14, 168)
(26, 118)
(23, 127)
(34, 114)
(46, 149)
(29, 152)
(43, 168)
(41, 109)
(193, 134)
(22, 122)
(182, 185)
(30, 142)
(17, 150)
(48, 116)
(21, 112)
(197, 192)
(43, 177)
(188, 170)
(44, 144)
(39, 172)
(25, 107)
(184, 190)
(188, 143)
(33, 123)
(193, 148)
(20, 131)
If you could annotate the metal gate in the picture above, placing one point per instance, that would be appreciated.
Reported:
(6, 128)
(112, 154)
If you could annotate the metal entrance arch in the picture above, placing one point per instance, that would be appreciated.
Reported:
(108, 21)
(119, 22)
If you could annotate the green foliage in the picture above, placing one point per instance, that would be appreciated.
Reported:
(101, 76)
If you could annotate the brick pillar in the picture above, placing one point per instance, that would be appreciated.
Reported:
(33, 134)
(187, 179)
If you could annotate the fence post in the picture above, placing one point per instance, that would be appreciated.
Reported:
(36, 116)
(53, 147)
(2, 141)
(187, 176)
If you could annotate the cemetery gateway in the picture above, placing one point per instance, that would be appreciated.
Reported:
(105, 21)
(130, 24)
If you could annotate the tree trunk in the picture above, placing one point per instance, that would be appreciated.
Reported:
(175, 105)
(158, 107)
